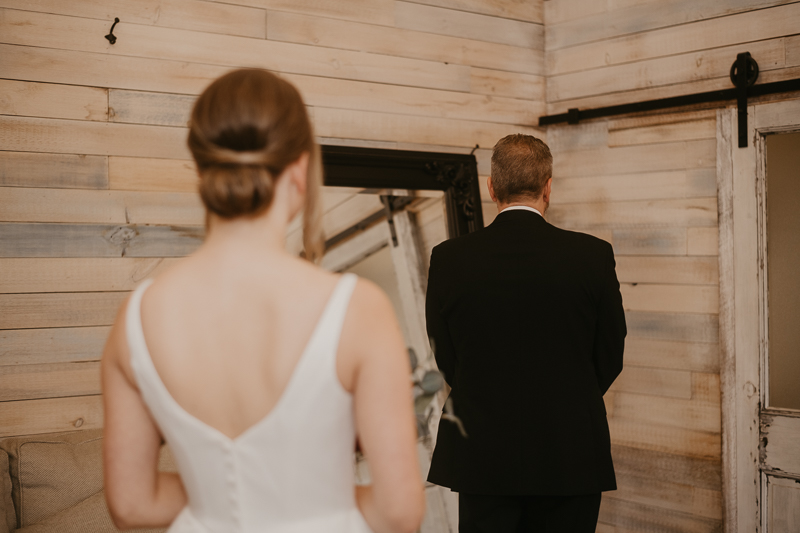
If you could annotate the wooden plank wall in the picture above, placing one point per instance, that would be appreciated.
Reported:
(647, 185)
(97, 189)
(608, 52)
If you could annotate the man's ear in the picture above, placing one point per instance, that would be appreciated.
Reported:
(546, 191)
(491, 189)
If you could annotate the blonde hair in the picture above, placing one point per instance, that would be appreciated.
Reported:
(245, 129)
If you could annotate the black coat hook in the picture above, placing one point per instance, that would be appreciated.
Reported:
(111, 37)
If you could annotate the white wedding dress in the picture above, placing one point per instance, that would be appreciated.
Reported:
(291, 472)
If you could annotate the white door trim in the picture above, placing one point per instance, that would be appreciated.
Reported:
(740, 176)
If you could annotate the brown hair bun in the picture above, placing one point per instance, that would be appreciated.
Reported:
(245, 129)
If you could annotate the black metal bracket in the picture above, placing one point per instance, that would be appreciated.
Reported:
(111, 37)
(744, 74)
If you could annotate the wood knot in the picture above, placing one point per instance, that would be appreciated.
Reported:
(78, 422)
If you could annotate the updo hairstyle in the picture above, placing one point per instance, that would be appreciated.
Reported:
(245, 129)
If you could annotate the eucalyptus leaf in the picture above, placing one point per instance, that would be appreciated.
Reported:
(421, 403)
(432, 382)
(412, 356)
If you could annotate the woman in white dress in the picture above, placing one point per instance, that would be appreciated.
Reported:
(258, 368)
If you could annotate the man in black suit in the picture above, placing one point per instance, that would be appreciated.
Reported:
(527, 326)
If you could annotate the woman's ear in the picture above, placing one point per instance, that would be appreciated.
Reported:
(299, 173)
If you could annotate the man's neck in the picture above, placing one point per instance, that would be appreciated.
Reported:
(538, 204)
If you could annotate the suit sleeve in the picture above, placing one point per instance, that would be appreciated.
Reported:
(610, 334)
(438, 332)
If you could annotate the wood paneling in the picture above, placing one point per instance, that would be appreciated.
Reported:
(198, 15)
(158, 175)
(19, 204)
(97, 240)
(54, 101)
(57, 380)
(63, 33)
(60, 171)
(676, 355)
(77, 275)
(319, 31)
(51, 345)
(58, 310)
(695, 183)
(50, 415)
(510, 9)
(656, 269)
(672, 327)
(670, 298)
(470, 25)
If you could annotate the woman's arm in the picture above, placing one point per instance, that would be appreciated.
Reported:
(381, 385)
(137, 494)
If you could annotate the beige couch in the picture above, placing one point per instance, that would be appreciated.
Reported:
(54, 484)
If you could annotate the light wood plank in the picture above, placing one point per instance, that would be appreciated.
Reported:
(468, 25)
(51, 345)
(151, 42)
(658, 269)
(661, 118)
(93, 240)
(793, 51)
(58, 380)
(105, 70)
(666, 495)
(631, 516)
(331, 33)
(354, 250)
(405, 128)
(42, 310)
(680, 212)
(158, 109)
(674, 355)
(574, 138)
(371, 11)
(695, 183)
(34, 417)
(783, 505)
(18, 204)
(747, 27)
(94, 138)
(649, 464)
(211, 17)
(682, 131)
(677, 412)
(654, 381)
(644, 17)
(692, 443)
(667, 91)
(77, 274)
(527, 10)
(672, 327)
(706, 64)
(705, 387)
(27, 169)
(52, 101)
(650, 241)
(671, 298)
(156, 175)
(174, 110)
(703, 241)
(565, 10)
(635, 159)
(511, 84)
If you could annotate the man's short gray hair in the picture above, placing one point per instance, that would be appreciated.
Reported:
(521, 166)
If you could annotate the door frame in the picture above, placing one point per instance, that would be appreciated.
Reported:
(743, 312)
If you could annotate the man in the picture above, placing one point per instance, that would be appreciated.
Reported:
(527, 326)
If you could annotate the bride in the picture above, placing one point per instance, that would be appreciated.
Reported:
(257, 367)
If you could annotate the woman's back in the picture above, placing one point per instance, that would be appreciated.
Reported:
(226, 329)
(289, 470)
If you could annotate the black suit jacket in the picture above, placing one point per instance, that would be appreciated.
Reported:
(527, 326)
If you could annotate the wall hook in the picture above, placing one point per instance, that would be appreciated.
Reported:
(111, 37)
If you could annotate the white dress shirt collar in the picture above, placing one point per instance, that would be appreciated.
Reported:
(521, 208)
